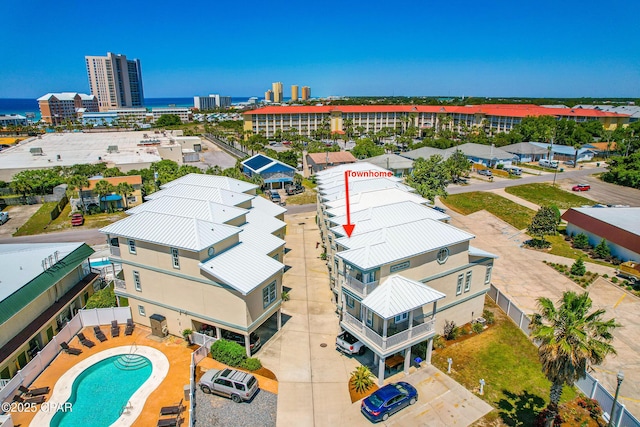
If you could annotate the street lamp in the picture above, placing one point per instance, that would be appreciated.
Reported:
(620, 377)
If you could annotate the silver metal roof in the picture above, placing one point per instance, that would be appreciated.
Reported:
(482, 151)
(267, 207)
(390, 161)
(212, 194)
(476, 252)
(171, 230)
(367, 199)
(338, 171)
(194, 208)
(364, 185)
(398, 295)
(524, 148)
(232, 268)
(22, 262)
(265, 222)
(389, 244)
(261, 241)
(425, 153)
(379, 217)
(213, 181)
(627, 219)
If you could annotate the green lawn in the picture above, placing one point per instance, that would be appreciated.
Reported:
(508, 362)
(309, 196)
(547, 195)
(508, 211)
(38, 222)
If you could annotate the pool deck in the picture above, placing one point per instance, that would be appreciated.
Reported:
(169, 392)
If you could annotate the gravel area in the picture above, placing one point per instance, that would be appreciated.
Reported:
(213, 410)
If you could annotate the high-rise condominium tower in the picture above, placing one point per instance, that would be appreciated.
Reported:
(115, 80)
(268, 95)
(306, 93)
(294, 92)
(277, 91)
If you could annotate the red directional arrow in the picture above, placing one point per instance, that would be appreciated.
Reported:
(348, 227)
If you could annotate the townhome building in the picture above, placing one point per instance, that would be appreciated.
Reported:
(184, 256)
(43, 286)
(403, 272)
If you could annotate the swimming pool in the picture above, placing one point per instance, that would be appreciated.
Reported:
(100, 392)
(67, 387)
(103, 262)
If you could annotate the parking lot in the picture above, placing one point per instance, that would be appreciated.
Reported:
(213, 410)
(18, 215)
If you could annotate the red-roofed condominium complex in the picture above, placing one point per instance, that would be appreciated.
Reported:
(497, 117)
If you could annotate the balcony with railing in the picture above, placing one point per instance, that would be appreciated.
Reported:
(356, 286)
(114, 251)
(120, 284)
(394, 341)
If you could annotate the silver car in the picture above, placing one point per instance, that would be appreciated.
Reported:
(236, 385)
(4, 217)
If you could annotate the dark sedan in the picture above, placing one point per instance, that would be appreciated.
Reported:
(388, 400)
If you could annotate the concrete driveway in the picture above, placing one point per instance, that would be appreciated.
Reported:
(18, 215)
(313, 376)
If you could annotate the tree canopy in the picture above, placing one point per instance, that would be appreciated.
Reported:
(543, 223)
(429, 177)
(366, 148)
(168, 120)
(624, 170)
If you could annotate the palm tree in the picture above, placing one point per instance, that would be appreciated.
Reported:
(103, 188)
(125, 190)
(79, 182)
(569, 338)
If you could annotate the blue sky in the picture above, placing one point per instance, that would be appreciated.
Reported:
(560, 48)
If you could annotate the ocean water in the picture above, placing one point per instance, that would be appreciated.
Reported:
(22, 106)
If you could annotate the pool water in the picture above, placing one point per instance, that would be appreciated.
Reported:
(101, 263)
(101, 391)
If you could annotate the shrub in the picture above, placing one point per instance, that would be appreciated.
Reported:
(361, 379)
(488, 316)
(477, 327)
(581, 241)
(614, 279)
(590, 405)
(438, 342)
(228, 352)
(578, 268)
(556, 212)
(251, 364)
(451, 331)
(104, 298)
(538, 243)
(285, 296)
(602, 250)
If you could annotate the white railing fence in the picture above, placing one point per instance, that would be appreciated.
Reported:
(590, 385)
(196, 357)
(84, 318)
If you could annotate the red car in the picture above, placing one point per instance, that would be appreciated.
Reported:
(581, 187)
(77, 219)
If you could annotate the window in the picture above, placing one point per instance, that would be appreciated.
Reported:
(443, 255)
(398, 267)
(175, 258)
(467, 282)
(211, 251)
(459, 287)
(269, 294)
(487, 276)
(401, 318)
(223, 382)
(369, 318)
(350, 301)
(239, 386)
(141, 310)
(132, 246)
(136, 281)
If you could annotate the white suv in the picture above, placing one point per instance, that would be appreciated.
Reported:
(237, 385)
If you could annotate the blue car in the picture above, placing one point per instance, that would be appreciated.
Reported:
(388, 400)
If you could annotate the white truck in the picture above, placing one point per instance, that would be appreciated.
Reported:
(347, 343)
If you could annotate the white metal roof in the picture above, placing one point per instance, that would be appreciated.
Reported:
(213, 181)
(473, 251)
(266, 223)
(482, 151)
(379, 217)
(379, 247)
(20, 263)
(426, 152)
(262, 242)
(242, 268)
(171, 230)
(267, 207)
(627, 219)
(364, 185)
(66, 96)
(398, 295)
(337, 171)
(194, 208)
(391, 161)
(367, 199)
(212, 194)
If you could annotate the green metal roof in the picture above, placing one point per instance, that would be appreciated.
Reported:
(41, 283)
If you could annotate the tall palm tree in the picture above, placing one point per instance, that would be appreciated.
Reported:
(125, 190)
(79, 182)
(103, 188)
(570, 337)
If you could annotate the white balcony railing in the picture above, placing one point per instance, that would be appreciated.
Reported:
(360, 288)
(114, 250)
(371, 337)
(120, 284)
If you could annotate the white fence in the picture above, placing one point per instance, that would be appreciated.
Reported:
(589, 385)
(84, 318)
(196, 357)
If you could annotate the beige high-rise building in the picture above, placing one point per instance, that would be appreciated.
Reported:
(115, 80)
(294, 92)
(277, 91)
(268, 95)
(306, 93)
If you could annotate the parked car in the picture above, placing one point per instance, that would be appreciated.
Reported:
(581, 187)
(439, 209)
(254, 339)
(4, 217)
(237, 385)
(485, 172)
(388, 400)
(294, 189)
(569, 163)
(77, 219)
(275, 196)
(347, 343)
